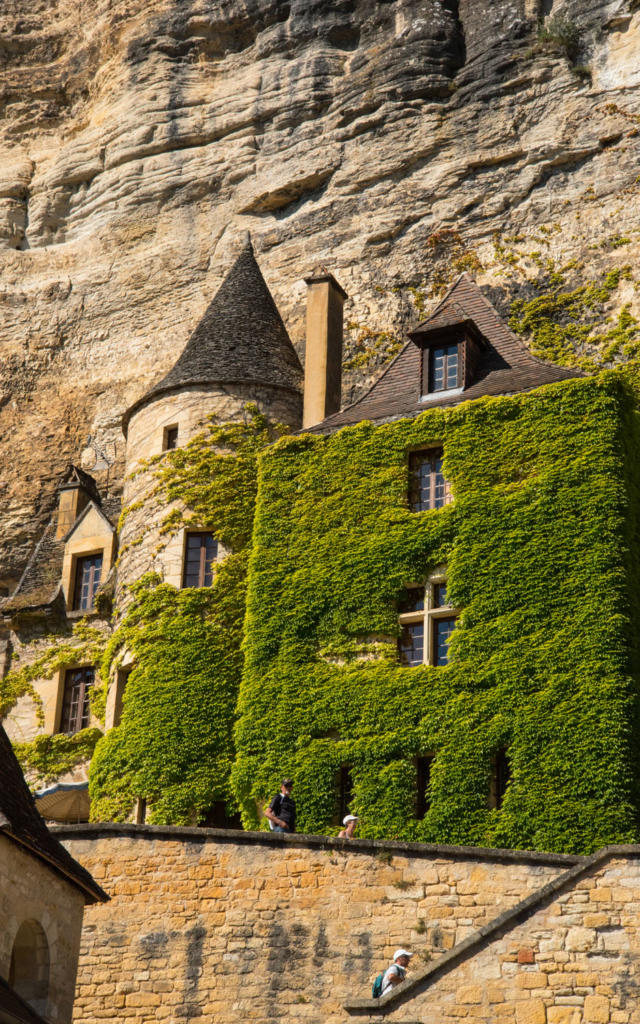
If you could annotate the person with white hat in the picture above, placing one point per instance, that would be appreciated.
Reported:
(349, 822)
(397, 972)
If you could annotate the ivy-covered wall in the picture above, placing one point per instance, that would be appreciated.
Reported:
(540, 545)
(174, 744)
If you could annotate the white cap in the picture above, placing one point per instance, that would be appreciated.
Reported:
(348, 818)
(401, 952)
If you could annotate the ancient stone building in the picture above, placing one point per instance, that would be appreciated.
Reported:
(43, 892)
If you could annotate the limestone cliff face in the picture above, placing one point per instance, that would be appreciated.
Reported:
(140, 138)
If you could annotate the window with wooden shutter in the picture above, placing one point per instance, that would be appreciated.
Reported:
(76, 710)
(201, 550)
(87, 581)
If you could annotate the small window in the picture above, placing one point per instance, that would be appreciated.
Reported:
(426, 620)
(428, 487)
(443, 368)
(200, 553)
(170, 438)
(76, 710)
(500, 778)
(87, 581)
(423, 783)
(442, 630)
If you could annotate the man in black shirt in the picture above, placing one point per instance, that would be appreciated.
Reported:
(281, 812)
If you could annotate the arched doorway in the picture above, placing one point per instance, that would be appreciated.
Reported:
(29, 970)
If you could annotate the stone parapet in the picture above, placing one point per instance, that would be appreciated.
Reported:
(237, 926)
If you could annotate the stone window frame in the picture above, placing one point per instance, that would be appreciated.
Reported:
(428, 615)
(170, 437)
(83, 547)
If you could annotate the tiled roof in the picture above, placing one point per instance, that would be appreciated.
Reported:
(14, 1010)
(505, 366)
(20, 821)
(240, 339)
(40, 584)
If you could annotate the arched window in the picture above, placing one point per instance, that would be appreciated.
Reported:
(29, 970)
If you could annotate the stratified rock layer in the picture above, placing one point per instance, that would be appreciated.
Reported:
(139, 139)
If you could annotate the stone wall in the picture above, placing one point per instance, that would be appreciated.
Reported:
(570, 958)
(32, 892)
(233, 927)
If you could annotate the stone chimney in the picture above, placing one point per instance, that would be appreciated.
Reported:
(323, 356)
(74, 494)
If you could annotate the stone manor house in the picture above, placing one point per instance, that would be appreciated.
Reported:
(461, 362)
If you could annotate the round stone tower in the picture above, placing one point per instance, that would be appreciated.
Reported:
(240, 352)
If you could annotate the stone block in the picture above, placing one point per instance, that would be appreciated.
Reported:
(469, 994)
(531, 1011)
(580, 939)
(564, 1015)
(531, 979)
(596, 1010)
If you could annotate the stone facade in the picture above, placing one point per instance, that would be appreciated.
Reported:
(30, 892)
(570, 958)
(187, 409)
(252, 926)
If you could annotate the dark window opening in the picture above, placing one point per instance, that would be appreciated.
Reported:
(30, 964)
(200, 554)
(87, 581)
(412, 601)
(411, 643)
(423, 785)
(76, 709)
(217, 816)
(345, 792)
(500, 778)
(122, 679)
(140, 810)
(440, 595)
(442, 630)
(170, 439)
(427, 485)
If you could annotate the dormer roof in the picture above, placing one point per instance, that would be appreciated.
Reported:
(76, 477)
(241, 339)
(504, 366)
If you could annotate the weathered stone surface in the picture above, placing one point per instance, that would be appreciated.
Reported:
(140, 138)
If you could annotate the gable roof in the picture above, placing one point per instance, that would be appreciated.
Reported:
(20, 822)
(40, 586)
(92, 506)
(504, 367)
(240, 339)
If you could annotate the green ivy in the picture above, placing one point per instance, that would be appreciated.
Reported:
(174, 744)
(540, 546)
(47, 757)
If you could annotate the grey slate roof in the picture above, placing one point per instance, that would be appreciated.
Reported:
(240, 339)
(505, 367)
(21, 822)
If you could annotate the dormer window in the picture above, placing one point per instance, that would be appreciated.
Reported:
(444, 362)
(87, 581)
(451, 351)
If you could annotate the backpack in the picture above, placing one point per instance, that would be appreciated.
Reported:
(376, 990)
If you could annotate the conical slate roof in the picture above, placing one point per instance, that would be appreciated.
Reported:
(241, 339)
